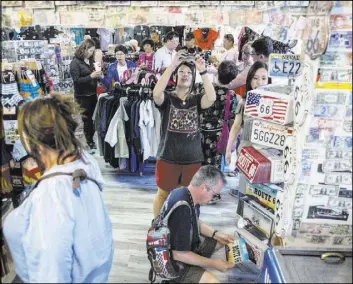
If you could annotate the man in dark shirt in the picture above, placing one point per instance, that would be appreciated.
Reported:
(186, 228)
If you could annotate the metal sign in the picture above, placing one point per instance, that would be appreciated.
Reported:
(285, 65)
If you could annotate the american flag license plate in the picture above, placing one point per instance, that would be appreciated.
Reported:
(270, 106)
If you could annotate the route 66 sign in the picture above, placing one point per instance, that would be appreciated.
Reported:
(317, 35)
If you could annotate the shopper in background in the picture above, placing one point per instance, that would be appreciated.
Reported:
(59, 234)
(257, 77)
(185, 233)
(247, 61)
(190, 45)
(231, 53)
(157, 44)
(85, 79)
(145, 61)
(179, 153)
(164, 56)
(117, 69)
(261, 49)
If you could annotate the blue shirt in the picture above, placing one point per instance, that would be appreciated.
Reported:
(57, 236)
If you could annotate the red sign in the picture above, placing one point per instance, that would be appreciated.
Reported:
(255, 166)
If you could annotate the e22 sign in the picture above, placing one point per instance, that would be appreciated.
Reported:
(285, 65)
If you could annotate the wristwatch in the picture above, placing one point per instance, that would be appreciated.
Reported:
(203, 72)
(214, 233)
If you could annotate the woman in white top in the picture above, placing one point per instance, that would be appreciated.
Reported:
(116, 70)
(62, 232)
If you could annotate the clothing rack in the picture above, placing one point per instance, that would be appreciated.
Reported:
(125, 120)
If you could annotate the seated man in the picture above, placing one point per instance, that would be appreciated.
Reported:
(185, 232)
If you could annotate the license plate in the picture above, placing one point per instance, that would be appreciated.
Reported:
(285, 65)
(268, 134)
(247, 164)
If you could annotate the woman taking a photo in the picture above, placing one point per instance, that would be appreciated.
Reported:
(61, 233)
(145, 61)
(257, 77)
(85, 79)
(117, 69)
(180, 153)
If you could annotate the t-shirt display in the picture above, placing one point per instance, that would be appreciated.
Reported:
(105, 38)
(205, 38)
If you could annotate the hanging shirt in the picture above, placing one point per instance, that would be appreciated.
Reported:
(141, 33)
(60, 235)
(91, 32)
(105, 38)
(123, 35)
(205, 43)
(77, 34)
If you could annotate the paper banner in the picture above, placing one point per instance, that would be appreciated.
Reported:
(158, 18)
(138, 17)
(173, 3)
(45, 17)
(73, 18)
(39, 4)
(176, 19)
(144, 3)
(243, 18)
(91, 4)
(238, 3)
(11, 3)
(204, 3)
(194, 17)
(116, 20)
(117, 3)
(64, 3)
(96, 18)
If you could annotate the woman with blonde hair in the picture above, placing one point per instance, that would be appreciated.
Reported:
(61, 233)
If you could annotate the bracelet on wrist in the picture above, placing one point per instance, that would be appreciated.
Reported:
(203, 72)
(214, 233)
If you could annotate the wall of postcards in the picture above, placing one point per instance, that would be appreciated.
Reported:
(315, 205)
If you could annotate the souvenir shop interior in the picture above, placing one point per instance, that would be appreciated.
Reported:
(288, 198)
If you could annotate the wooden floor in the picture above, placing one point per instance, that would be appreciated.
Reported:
(129, 201)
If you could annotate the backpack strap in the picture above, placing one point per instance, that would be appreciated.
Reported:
(175, 206)
(77, 176)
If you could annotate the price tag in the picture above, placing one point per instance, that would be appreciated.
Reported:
(285, 65)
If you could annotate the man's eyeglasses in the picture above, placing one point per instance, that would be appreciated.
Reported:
(215, 195)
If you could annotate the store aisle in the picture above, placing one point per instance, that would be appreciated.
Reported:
(129, 201)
